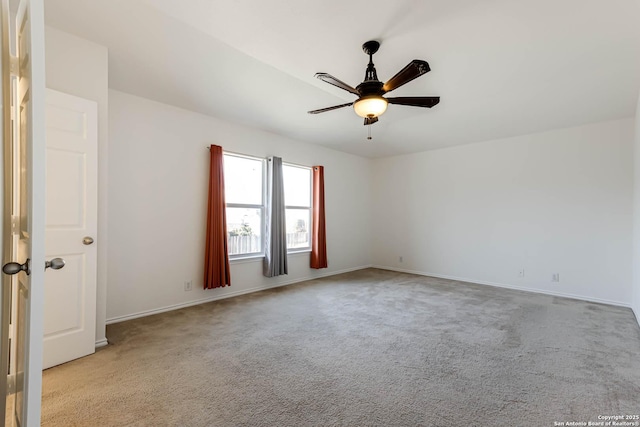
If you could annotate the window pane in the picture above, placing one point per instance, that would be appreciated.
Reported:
(244, 230)
(298, 224)
(242, 180)
(297, 186)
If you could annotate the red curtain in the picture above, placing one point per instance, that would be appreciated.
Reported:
(318, 230)
(216, 254)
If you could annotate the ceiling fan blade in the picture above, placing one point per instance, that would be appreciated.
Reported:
(415, 101)
(328, 78)
(370, 120)
(415, 69)
(335, 107)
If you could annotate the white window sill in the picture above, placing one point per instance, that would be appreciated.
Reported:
(259, 258)
(245, 259)
(298, 252)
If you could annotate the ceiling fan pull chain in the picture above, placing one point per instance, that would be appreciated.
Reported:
(369, 129)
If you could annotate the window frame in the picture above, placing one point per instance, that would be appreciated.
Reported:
(261, 207)
(309, 208)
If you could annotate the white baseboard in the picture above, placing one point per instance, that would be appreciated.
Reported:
(172, 307)
(102, 343)
(507, 286)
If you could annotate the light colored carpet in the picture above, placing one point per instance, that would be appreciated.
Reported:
(368, 348)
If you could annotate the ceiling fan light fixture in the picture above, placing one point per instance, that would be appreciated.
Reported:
(370, 106)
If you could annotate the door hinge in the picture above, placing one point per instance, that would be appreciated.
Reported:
(11, 384)
(15, 223)
(14, 66)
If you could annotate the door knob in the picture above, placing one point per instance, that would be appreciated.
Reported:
(87, 240)
(15, 267)
(55, 264)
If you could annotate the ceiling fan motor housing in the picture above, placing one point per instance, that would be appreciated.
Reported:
(370, 88)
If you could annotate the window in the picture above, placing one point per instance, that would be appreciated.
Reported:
(244, 193)
(297, 198)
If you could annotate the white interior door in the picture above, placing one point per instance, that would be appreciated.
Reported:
(71, 227)
(7, 397)
(23, 213)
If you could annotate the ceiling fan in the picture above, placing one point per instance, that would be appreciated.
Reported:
(370, 103)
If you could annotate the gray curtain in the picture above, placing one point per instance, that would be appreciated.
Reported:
(275, 259)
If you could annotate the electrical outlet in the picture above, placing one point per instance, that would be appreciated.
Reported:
(521, 272)
(188, 286)
(555, 277)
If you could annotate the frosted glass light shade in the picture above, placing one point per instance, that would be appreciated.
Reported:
(370, 107)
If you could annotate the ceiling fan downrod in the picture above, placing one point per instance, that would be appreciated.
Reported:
(370, 48)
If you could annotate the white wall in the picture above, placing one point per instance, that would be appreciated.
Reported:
(79, 67)
(158, 178)
(553, 202)
(636, 217)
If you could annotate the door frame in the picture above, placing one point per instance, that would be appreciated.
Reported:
(35, 314)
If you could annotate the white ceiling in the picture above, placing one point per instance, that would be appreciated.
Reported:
(501, 67)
